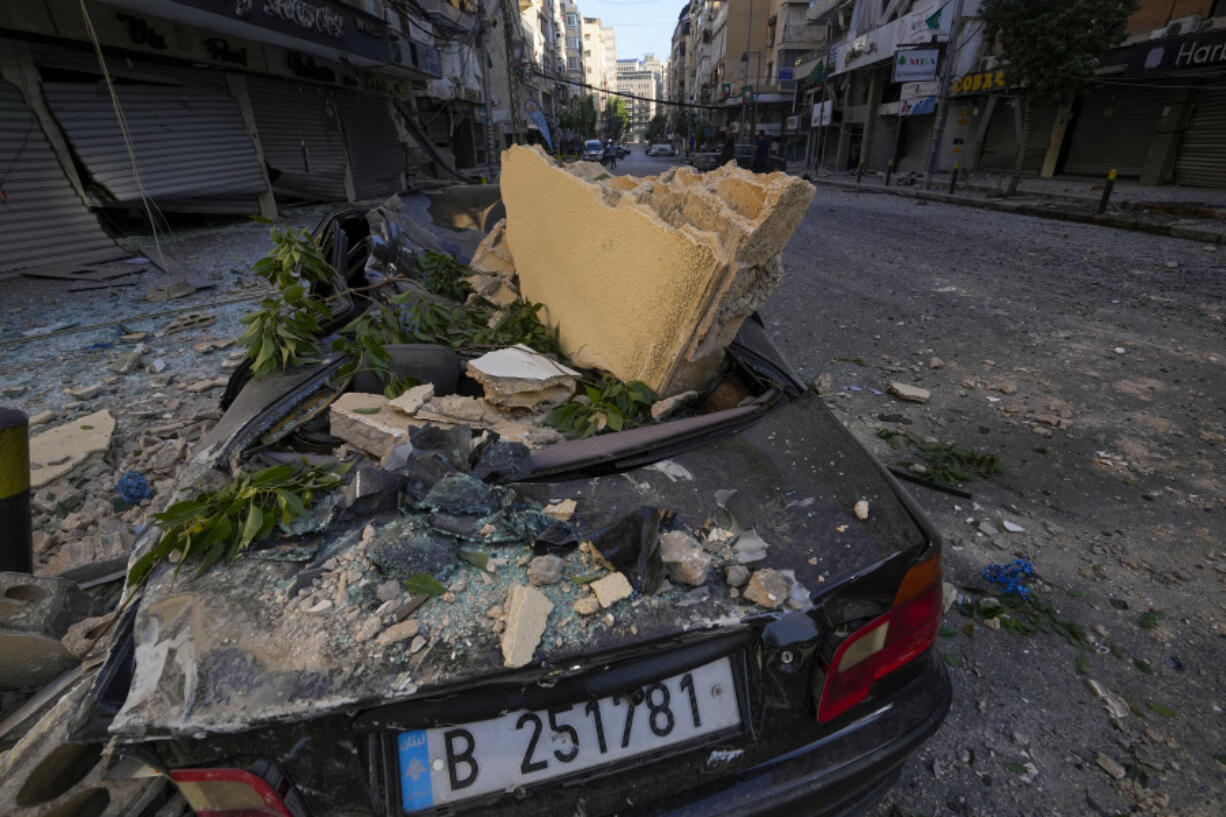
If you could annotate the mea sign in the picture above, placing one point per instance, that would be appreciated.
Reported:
(916, 65)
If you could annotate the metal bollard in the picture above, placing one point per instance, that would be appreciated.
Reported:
(859, 172)
(953, 178)
(1102, 204)
(889, 171)
(16, 534)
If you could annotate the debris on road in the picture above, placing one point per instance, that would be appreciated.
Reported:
(913, 394)
(57, 451)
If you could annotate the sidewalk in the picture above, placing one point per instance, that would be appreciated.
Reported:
(1196, 214)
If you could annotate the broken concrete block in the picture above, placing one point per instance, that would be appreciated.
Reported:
(58, 450)
(413, 399)
(129, 361)
(586, 606)
(492, 256)
(561, 511)
(88, 635)
(647, 278)
(35, 613)
(397, 632)
(913, 394)
(457, 409)
(85, 392)
(611, 589)
(527, 614)
(769, 588)
(663, 409)
(519, 377)
(860, 509)
(545, 569)
(366, 421)
(736, 575)
(684, 559)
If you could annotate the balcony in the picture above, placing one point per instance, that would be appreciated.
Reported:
(794, 35)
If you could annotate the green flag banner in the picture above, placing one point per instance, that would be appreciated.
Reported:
(934, 22)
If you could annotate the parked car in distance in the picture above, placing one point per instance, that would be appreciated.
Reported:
(661, 149)
(593, 150)
(622, 150)
(744, 158)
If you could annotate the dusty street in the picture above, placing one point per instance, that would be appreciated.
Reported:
(1091, 362)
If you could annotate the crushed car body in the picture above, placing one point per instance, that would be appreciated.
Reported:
(509, 605)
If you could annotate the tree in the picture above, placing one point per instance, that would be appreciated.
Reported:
(1051, 49)
(657, 128)
(617, 117)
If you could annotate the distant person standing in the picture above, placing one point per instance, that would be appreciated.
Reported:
(728, 152)
(761, 152)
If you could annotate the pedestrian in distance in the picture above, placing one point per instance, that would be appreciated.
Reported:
(728, 152)
(610, 154)
(761, 152)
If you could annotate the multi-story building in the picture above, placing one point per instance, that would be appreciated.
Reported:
(643, 80)
(595, 65)
(573, 26)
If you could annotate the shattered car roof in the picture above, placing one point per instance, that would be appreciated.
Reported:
(278, 635)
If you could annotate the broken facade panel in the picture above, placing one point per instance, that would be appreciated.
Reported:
(42, 219)
(189, 142)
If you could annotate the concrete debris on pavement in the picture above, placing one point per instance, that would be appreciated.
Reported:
(57, 451)
(519, 377)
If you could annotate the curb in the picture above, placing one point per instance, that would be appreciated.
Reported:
(1118, 222)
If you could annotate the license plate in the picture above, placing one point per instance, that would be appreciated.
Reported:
(519, 748)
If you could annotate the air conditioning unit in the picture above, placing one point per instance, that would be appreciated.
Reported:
(1184, 25)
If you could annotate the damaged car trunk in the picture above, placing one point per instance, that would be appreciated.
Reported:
(727, 608)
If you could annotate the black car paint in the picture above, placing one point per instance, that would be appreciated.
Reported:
(344, 761)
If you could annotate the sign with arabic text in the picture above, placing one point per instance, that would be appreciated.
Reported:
(916, 64)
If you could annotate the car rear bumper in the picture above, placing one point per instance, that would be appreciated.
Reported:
(803, 782)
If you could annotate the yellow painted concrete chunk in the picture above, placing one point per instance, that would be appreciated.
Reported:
(527, 614)
(647, 278)
(58, 450)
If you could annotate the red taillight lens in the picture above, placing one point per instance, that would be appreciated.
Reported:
(229, 793)
(885, 643)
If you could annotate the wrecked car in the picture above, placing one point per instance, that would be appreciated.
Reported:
(522, 590)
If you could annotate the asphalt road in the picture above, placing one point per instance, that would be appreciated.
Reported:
(1092, 362)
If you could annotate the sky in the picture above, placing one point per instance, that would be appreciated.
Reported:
(643, 26)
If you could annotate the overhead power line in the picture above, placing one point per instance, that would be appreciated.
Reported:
(658, 101)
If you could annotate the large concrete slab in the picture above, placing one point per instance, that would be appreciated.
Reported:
(647, 278)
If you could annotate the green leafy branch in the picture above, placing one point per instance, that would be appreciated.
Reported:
(443, 275)
(945, 463)
(283, 332)
(612, 405)
(224, 523)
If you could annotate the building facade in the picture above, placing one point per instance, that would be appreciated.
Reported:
(643, 81)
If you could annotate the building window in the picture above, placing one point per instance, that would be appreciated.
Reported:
(572, 20)
(587, 53)
(572, 63)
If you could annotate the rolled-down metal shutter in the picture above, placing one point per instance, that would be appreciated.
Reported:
(374, 149)
(189, 142)
(1113, 130)
(1202, 151)
(1000, 141)
(42, 219)
(300, 133)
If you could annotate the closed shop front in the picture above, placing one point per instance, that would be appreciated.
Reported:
(1201, 161)
(42, 219)
(1113, 129)
(374, 148)
(301, 134)
(1000, 140)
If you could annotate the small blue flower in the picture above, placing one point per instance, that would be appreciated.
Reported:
(132, 488)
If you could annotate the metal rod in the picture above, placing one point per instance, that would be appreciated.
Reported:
(1102, 204)
(859, 171)
(889, 171)
(953, 178)
(938, 129)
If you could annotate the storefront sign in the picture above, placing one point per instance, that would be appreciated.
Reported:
(332, 23)
(1207, 50)
(918, 106)
(785, 74)
(916, 65)
(142, 33)
(979, 83)
(221, 51)
(822, 113)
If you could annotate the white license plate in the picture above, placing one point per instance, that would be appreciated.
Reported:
(519, 748)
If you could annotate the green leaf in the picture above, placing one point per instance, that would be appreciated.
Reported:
(1164, 711)
(588, 579)
(1016, 768)
(1083, 665)
(423, 584)
(952, 660)
(255, 520)
(370, 410)
(946, 631)
(476, 558)
(1143, 666)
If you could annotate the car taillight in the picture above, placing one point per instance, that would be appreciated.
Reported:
(230, 793)
(885, 643)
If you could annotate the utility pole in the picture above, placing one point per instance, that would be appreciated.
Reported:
(745, 71)
(491, 147)
(938, 127)
(514, 100)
